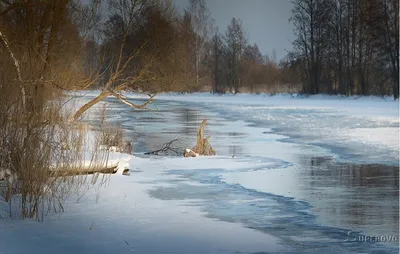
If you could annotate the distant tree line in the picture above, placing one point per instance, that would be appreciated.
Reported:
(341, 47)
(164, 50)
(191, 51)
(229, 63)
(347, 46)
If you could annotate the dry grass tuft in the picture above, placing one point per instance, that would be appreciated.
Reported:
(203, 146)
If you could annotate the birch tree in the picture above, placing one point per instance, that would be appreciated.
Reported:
(201, 25)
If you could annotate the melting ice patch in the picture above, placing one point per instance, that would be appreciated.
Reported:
(286, 218)
(384, 136)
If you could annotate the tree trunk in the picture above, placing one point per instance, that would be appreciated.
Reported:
(90, 104)
(197, 70)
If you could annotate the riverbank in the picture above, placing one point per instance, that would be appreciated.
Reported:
(263, 200)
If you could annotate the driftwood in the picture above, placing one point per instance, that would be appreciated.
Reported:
(202, 146)
(6, 176)
(190, 153)
(167, 149)
(84, 171)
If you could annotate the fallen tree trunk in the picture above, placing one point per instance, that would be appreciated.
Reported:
(84, 171)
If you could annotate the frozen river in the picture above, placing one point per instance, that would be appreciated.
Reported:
(320, 175)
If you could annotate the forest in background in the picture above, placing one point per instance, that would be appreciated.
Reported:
(347, 47)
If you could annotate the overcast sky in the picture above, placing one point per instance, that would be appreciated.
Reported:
(266, 21)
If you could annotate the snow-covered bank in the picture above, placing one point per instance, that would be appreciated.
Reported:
(122, 218)
(179, 205)
(117, 161)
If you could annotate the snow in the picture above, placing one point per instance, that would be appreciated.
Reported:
(125, 219)
(222, 204)
(356, 126)
(355, 105)
(377, 136)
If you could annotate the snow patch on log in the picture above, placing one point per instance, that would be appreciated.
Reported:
(190, 153)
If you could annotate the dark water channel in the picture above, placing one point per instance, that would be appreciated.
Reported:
(343, 200)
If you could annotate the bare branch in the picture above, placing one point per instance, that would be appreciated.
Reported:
(10, 7)
(130, 104)
(104, 94)
(16, 64)
(167, 149)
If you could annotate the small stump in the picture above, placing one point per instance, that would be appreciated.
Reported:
(125, 172)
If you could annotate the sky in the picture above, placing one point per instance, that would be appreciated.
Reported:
(266, 21)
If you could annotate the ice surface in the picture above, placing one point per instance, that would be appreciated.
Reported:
(122, 218)
(376, 136)
(286, 190)
(345, 125)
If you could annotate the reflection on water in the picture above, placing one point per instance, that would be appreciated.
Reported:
(235, 149)
(165, 121)
(363, 197)
(189, 118)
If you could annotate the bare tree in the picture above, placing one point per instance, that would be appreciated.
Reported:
(39, 53)
(217, 55)
(142, 53)
(236, 41)
(252, 71)
(390, 40)
(347, 47)
(310, 18)
(200, 22)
